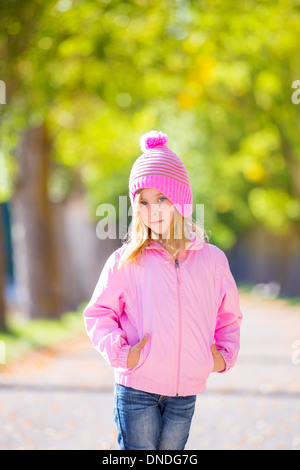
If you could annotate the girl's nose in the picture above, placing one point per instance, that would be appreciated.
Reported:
(156, 214)
(155, 210)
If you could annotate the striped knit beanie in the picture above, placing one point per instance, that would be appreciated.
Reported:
(160, 168)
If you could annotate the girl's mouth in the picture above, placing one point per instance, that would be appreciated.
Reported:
(157, 222)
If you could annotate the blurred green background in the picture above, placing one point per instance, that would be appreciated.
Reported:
(84, 79)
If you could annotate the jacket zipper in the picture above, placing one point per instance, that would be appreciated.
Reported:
(177, 268)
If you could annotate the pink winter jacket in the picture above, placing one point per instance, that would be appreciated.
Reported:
(185, 305)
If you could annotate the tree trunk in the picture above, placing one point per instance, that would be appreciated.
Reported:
(2, 261)
(36, 269)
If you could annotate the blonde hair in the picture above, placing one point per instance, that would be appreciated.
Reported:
(139, 235)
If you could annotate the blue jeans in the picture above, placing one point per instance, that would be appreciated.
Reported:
(151, 421)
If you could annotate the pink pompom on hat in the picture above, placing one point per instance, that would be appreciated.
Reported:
(160, 168)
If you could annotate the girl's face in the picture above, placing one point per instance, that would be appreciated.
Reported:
(157, 212)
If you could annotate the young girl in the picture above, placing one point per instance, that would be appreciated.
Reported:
(165, 311)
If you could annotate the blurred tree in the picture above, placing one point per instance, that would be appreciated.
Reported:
(26, 142)
(32, 213)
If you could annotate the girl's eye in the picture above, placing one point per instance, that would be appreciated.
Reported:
(145, 202)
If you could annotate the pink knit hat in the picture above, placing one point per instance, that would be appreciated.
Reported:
(160, 168)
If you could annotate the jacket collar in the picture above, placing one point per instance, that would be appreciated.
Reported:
(196, 243)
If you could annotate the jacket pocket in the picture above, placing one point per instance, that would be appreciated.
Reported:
(207, 364)
(143, 357)
(212, 362)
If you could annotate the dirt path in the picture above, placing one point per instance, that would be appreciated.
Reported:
(63, 398)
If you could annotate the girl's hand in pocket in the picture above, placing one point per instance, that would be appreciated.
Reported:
(135, 352)
(219, 363)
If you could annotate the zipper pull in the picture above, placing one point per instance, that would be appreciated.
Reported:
(177, 266)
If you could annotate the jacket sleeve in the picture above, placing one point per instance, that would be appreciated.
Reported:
(229, 315)
(102, 315)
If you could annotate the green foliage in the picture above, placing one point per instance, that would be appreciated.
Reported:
(215, 76)
(21, 336)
